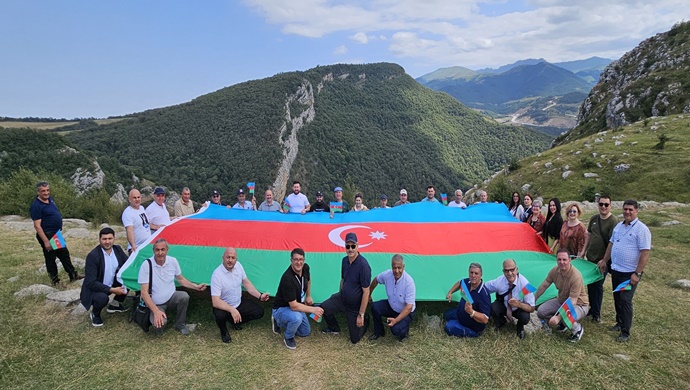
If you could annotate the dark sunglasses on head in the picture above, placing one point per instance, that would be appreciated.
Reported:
(351, 246)
(604, 204)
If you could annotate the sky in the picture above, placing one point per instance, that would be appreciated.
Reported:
(79, 58)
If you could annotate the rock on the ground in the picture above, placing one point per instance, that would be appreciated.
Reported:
(622, 357)
(75, 223)
(566, 174)
(64, 297)
(621, 168)
(9, 218)
(35, 289)
(548, 165)
(26, 226)
(78, 310)
(79, 232)
(681, 283)
(192, 327)
(525, 188)
(13, 279)
(534, 324)
(671, 223)
(433, 323)
(590, 175)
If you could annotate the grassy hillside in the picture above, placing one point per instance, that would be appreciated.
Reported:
(660, 174)
(374, 129)
(50, 125)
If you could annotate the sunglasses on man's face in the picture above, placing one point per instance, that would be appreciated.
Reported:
(350, 246)
(604, 204)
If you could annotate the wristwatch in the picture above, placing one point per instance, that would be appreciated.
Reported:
(639, 274)
(361, 315)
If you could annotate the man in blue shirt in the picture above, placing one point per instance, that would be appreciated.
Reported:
(353, 297)
(430, 195)
(47, 221)
(628, 250)
(399, 306)
(469, 320)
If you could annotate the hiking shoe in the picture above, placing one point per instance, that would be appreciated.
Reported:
(184, 330)
(75, 276)
(562, 328)
(596, 319)
(290, 343)
(402, 338)
(274, 325)
(575, 337)
(116, 309)
(374, 337)
(330, 331)
(521, 334)
(225, 337)
(96, 320)
(615, 328)
(623, 339)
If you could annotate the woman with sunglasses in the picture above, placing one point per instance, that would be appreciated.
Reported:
(536, 220)
(527, 214)
(553, 225)
(515, 207)
(573, 232)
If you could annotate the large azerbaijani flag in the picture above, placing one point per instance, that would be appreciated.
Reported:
(438, 244)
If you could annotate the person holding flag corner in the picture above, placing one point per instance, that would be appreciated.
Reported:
(472, 314)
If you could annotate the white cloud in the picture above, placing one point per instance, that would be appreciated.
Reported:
(340, 50)
(478, 33)
(360, 37)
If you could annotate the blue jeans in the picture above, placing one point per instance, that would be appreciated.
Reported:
(292, 321)
(383, 309)
(454, 327)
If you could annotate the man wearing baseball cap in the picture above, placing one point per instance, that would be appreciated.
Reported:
(319, 205)
(215, 198)
(353, 296)
(156, 212)
(403, 198)
(242, 203)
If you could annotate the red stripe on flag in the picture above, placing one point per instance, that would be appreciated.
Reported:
(393, 237)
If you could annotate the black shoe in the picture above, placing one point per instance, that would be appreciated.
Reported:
(158, 331)
(225, 337)
(375, 337)
(96, 320)
(623, 339)
(116, 309)
(521, 334)
(596, 319)
(615, 328)
(402, 338)
(290, 343)
(75, 276)
(274, 323)
(562, 328)
(575, 337)
(237, 326)
(56, 282)
(330, 331)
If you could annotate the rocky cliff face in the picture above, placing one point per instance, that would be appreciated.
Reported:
(651, 80)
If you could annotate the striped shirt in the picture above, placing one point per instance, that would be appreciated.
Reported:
(628, 241)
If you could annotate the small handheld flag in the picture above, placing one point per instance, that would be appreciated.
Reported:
(567, 312)
(465, 292)
(528, 289)
(337, 207)
(444, 198)
(251, 186)
(625, 286)
(315, 317)
(58, 241)
(286, 206)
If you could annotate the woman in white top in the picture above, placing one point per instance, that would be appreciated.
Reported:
(359, 206)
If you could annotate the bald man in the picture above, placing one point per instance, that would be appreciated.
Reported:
(135, 221)
(226, 295)
(507, 288)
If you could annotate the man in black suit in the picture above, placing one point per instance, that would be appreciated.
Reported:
(102, 264)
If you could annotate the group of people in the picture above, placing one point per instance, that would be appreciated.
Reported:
(619, 248)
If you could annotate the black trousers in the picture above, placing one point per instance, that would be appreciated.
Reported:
(335, 304)
(595, 291)
(51, 265)
(622, 301)
(248, 310)
(499, 311)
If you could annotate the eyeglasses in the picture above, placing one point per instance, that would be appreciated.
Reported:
(508, 270)
(572, 211)
(604, 204)
(216, 196)
(350, 246)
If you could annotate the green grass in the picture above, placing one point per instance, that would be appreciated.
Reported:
(46, 347)
(660, 175)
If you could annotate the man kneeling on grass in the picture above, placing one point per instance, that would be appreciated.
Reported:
(293, 301)
(166, 270)
(469, 319)
(398, 308)
(568, 281)
(102, 264)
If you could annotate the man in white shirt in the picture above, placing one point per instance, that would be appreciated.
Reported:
(135, 221)
(457, 202)
(166, 270)
(242, 202)
(156, 212)
(507, 288)
(226, 295)
(298, 202)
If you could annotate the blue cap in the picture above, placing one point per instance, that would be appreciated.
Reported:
(383, 196)
(337, 189)
(158, 191)
(351, 237)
